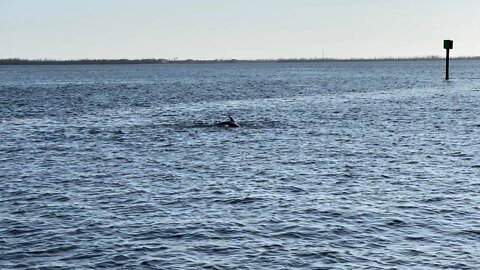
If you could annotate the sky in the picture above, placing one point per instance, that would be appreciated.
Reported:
(236, 29)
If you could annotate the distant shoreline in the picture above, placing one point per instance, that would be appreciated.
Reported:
(18, 61)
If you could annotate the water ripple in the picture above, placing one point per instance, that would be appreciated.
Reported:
(333, 167)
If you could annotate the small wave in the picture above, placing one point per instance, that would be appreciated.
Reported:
(318, 254)
(216, 249)
(245, 200)
(52, 251)
(396, 223)
(433, 199)
(294, 189)
(12, 149)
(82, 255)
(153, 263)
(291, 235)
(471, 232)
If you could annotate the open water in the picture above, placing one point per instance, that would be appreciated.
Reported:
(341, 165)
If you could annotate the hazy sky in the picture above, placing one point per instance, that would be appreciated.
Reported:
(241, 29)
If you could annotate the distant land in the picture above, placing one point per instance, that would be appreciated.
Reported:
(19, 61)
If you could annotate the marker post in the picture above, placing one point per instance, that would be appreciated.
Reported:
(447, 45)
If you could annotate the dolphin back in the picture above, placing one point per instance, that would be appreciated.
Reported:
(229, 123)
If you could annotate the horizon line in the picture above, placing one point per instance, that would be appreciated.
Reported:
(26, 61)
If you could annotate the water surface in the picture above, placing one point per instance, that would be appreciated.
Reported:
(342, 165)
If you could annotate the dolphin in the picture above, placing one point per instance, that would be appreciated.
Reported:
(229, 123)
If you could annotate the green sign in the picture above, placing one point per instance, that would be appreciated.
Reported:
(448, 44)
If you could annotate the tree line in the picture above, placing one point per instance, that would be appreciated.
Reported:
(19, 61)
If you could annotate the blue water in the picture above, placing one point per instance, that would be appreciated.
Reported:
(341, 165)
